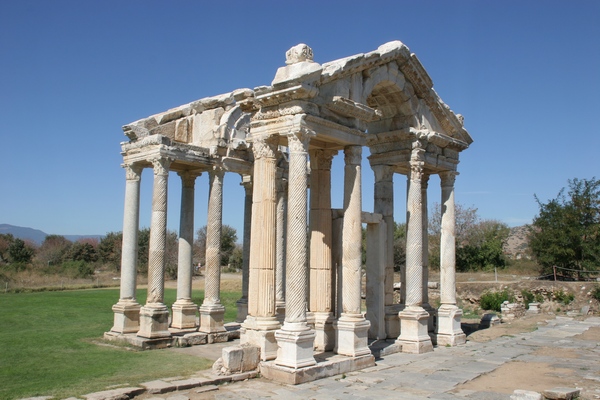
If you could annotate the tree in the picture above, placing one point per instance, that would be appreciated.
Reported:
(228, 243)
(479, 243)
(82, 251)
(566, 233)
(6, 240)
(53, 250)
(19, 252)
(109, 249)
(399, 245)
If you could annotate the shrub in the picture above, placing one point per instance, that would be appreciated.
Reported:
(493, 300)
(563, 297)
(78, 269)
(596, 292)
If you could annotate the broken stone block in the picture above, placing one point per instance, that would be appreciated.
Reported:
(525, 395)
(561, 393)
(489, 320)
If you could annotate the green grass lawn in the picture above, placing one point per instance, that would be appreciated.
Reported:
(47, 345)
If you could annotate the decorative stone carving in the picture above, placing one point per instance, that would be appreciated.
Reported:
(299, 53)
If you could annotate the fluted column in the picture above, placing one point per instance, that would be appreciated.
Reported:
(154, 315)
(242, 303)
(352, 327)
(322, 293)
(384, 205)
(295, 339)
(127, 309)
(184, 310)
(211, 310)
(449, 331)
(426, 306)
(414, 336)
(281, 245)
(260, 325)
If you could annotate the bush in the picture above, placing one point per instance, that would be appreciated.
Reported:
(493, 300)
(78, 269)
(596, 292)
(563, 297)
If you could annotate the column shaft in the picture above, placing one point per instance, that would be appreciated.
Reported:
(281, 245)
(212, 311)
(126, 311)
(242, 303)
(184, 310)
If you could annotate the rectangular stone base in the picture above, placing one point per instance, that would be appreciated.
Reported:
(382, 348)
(333, 365)
(138, 341)
(178, 339)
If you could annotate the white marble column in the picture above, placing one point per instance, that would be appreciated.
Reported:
(184, 310)
(352, 327)
(154, 316)
(449, 331)
(242, 303)
(211, 310)
(281, 245)
(384, 205)
(295, 339)
(426, 306)
(322, 293)
(127, 309)
(414, 336)
(259, 327)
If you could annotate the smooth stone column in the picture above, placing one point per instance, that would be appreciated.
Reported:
(154, 316)
(375, 288)
(242, 303)
(259, 327)
(127, 309)
(295, 339)
(184, 310)
(426, 306)
(449, 331)
(211, 310)
(352, 327)
(322, 293)
(384, 205)
(281, 244)
(414, 336)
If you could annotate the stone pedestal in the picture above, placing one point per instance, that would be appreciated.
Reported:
(211, 318)
(295, 346)
(154, 321)
(242, 309)
(432, 320)
(414, 337)
(260, 332)
(449, 331)
(184, 314)
(127, 316)
(324, 330)
(352, 336)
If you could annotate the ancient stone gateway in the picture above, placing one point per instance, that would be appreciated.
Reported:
(302, 259)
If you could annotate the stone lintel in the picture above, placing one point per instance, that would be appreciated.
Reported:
(371, 218)
(334, 365)
(296, 91)
(237, 165)
(349, 108)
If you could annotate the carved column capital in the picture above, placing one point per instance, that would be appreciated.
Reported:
(188, 178)
(352, 155)
(133, 171)
(265, 147)
(383, 173)
(448, 178)
(298, 141)
(161, 165)
(321, 158)
(247, 183)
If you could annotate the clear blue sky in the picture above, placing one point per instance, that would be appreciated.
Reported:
(525, 75)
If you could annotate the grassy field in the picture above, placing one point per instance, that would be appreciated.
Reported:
(48, 344)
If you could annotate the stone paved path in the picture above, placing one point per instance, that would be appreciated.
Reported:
(435, 375)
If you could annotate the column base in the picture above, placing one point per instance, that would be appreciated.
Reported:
(392, 322)
(127, 316)
(432, 321)
(352, 335)
(184, 314)
(324, 331)
(242, 310)
(414, 336)
(280, 311)
(154, 321)
(211, 318)
(449, 332)
(260, 331)
(295, 343)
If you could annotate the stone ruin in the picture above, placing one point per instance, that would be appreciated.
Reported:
(302, 274)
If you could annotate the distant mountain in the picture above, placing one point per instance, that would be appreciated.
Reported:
(37, 236)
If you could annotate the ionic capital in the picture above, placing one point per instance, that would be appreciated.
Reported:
(161, 166)
(298, 141)
(133, 172)
(321, 158)
(188, 178)
(352, 155)
(265, 147)
(448, 178)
